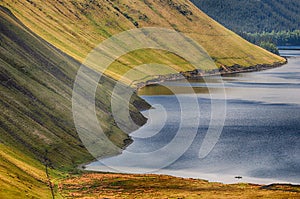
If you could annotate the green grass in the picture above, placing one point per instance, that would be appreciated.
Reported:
(21, 176)
(36, 122)
(36, 87)
(76, 27)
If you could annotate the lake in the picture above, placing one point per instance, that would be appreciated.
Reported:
(260, 139)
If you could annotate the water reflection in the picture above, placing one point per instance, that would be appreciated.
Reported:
(261, 136)
(278, 85)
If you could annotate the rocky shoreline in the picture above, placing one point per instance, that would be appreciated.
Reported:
(198, 73)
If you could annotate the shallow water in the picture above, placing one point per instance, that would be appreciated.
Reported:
(259, 140)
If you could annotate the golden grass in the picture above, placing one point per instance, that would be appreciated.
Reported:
(76, 27)
(161, 186)
(21, 176)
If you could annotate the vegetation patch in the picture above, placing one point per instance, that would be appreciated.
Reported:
(103, 185)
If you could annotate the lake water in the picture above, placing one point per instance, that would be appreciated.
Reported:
(260, 140)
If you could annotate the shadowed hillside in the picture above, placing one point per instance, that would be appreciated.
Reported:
(36, 121)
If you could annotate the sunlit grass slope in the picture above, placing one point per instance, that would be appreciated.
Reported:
(21, 176)
(36, 123)
(77, 26)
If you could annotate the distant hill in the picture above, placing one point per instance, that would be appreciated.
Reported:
(253, 15)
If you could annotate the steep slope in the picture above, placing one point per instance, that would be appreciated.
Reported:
(76, 27)
(36, 123)
(36, 80)
(253, 15)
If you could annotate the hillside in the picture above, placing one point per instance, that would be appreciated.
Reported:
(252, 15)
(36, 123)
(76, 27)
(42, 46)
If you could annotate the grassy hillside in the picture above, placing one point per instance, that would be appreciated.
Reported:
(252, 15)
(36, 123)
(21, 176)
(76, 27)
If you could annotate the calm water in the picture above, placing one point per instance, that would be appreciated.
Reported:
(260, 140)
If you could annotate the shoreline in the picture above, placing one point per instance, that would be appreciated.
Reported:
(196, 74)
(238, 179)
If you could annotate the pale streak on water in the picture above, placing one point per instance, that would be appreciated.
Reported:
(261, 136)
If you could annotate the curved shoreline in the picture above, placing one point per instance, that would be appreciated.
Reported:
(198, 73)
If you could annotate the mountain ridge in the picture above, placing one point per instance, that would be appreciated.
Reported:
(77, 27)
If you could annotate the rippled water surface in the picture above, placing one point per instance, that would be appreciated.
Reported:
(260, 140)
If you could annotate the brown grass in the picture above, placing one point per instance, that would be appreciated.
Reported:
(93, 185)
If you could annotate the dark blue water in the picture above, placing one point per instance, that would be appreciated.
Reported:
(260, 140)
(288, 47)
(289, 53)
